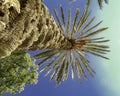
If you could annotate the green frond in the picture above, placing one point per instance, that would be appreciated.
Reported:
(66, 70)
(75, 20)
(86, 64)
(96, 45)
(101, 41)
(62, 15)
(58, 19)
(87, 30)
(68, 21)
(96, 48)
(79, 69)
(97, 54)
(95, 32)
(50, 63)
(94, 39)
(60, 72)
(44, 60)
(45, 54)
(87, 25)
(83, 18)
(57, 67)
(72, 71)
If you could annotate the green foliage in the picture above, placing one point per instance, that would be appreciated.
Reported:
(16, 71)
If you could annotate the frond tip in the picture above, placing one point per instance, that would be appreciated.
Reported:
(100, 3)
(80, 34)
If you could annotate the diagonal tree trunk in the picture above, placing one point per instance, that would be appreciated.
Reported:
(49, 34)
(34, 28)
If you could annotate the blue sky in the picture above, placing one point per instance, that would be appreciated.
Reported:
(107, 80)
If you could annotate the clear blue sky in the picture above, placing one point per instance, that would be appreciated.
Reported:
(103, 84)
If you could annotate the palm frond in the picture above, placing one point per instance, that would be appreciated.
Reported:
(65, 75)
(95, 32)
(68, 21)
(79, 69)
(60, 72)
(83, 18)
(87, 25)
(91, 28)
(86, 64)
(100, 3)
(58, 19)
(75, 20)
(61, 62)
(62, 15)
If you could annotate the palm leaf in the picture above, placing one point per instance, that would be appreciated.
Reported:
(97, 54)
(58, 19)
(91, 28)
(62, 14)
(79, 69)
(60, 72)
(72, 71)
(83, 18)
(45, 54)
(86, 64)
(49, 64)
(66, 70)
(95, 32)
(96, 45)
(75, 20)
(100, 41)
(68, 21)
(87, 25)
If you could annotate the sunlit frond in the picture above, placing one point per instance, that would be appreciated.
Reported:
(81, 33)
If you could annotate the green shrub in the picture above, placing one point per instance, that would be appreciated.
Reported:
(16, 71)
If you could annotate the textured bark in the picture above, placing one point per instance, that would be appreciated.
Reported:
(34, 28)
(49, 34)
(18, 27)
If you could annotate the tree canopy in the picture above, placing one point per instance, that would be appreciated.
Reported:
(16, 71)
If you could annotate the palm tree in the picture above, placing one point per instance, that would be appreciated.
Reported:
(65, 45)
(81, 36)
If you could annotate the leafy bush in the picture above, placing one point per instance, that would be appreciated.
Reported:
(16, 71)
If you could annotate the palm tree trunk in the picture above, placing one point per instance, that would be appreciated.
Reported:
(19, 26)
(50, 35)
(34, 28)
